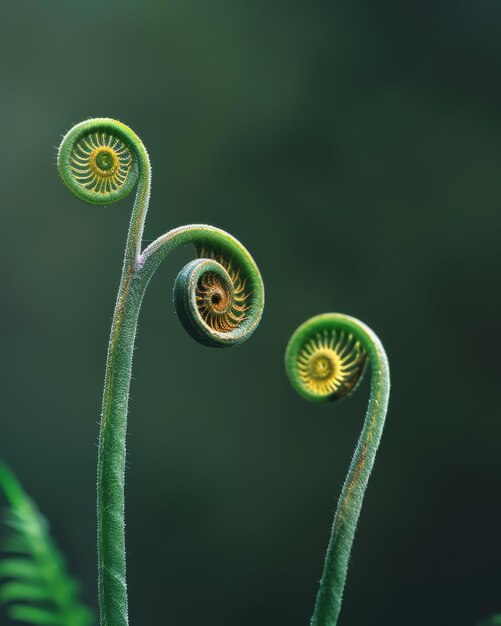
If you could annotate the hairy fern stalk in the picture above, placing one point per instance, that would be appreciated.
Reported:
(35, 584)
(325, 361)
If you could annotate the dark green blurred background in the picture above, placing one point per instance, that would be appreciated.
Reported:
(355, 148)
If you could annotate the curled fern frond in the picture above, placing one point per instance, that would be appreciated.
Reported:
(34, 583)
(218, 302)
(325, 361)
(99, 160)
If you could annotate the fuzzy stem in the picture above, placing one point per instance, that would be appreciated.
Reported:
(330, 594)
(111, 457)
(112, 587)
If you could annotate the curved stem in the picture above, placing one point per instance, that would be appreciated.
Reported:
(112, 587)
(333, 579)
(140, 209)
(111, 458)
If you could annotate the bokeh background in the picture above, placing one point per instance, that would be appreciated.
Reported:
(354, 148)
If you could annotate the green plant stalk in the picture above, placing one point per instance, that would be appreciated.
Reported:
(332, 583)
(330, 594)
(112, 586)
(219, 299)
(111, 456)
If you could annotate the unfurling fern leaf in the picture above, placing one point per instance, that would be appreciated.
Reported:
(34, 582)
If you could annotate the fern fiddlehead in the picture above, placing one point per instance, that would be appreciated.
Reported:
(325, 360)
(219, 299)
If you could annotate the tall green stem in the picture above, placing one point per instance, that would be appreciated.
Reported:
(325, 360)
(111, 455)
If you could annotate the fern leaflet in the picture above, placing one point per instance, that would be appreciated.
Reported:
(34, 583)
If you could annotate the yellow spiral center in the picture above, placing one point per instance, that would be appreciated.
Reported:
(101, 162)
(331, 363)
(322, 366)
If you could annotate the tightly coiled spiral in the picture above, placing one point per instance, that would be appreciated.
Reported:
(324, 360)
(99, 160)
(330, 363)
(215, 300)
(220, 308)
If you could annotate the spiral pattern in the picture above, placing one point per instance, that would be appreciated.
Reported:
(331, 363)
(326, 357)
(101, 162)
(221, 310)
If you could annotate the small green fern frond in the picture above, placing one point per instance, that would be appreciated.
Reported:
(495, 620)
(34, 583)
